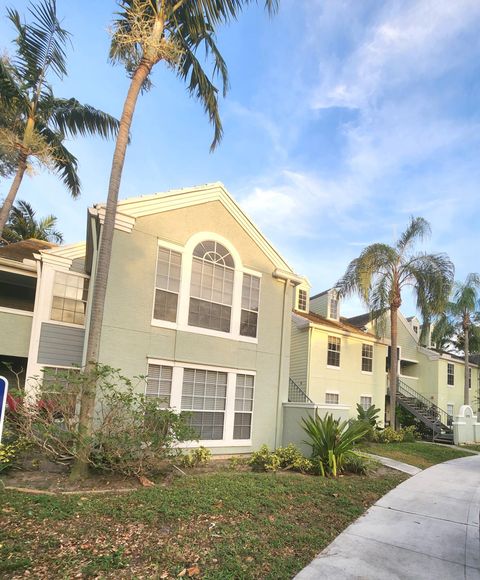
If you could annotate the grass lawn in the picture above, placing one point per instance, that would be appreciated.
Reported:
(226, 525)
(420, 454)
(472, 446)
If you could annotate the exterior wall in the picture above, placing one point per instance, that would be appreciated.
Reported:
(299, 356)
(348, 380)
(60, 345)
(129, 338)
(320, 305)
(15, 333)
(453, 395)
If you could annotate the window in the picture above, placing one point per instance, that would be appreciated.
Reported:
(415, 329)
(69, 298)
(469, 377)
(367, 358)
(302, 299)
(204, 393)
(331, 398)
(59, 381)
(159, 383)
(250, 300)
(334, 307)
(450, 374)
(366, 402)
(167, 285)
(333, 354)
(450, 410)
(211, 289)
(242, 428)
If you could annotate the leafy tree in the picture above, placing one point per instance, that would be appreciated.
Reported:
(458, 325)
(382, 272)
(23, 225)
(33, 122)
(145, 33)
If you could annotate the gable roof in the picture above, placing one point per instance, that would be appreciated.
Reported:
(128, 210)
(336, 324)
(359, 321)
(24, 250)
(320, 294)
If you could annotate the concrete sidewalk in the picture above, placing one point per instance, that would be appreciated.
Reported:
(425, 529)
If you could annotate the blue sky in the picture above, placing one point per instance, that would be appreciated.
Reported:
(344, 118)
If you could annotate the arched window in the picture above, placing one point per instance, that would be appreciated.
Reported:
(211, 287)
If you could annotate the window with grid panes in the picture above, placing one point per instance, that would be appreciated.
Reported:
(302, 299)
(159, 383)
(450, 374)
(334, 307)
(211, 288)
(242, 428)
(367, 358)
(69, 298)
(57, 380)
(204, 394)
(332, 398)
(167, 285)
(333, 354)
(366, 402)
(250, 302)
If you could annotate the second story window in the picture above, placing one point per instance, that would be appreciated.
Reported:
(167, 285)
(302, 300)
(450, 374)
(250, 301)
(69, 298)
(367, 358)
(333, 354)
(332, 398)
(211, 289)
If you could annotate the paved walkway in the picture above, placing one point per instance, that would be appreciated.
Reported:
(425, 529)
(394, 464)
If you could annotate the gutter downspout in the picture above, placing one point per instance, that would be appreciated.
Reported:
(294, 280)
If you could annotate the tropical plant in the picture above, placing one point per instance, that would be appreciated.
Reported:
(458, 324)
(33, 122)
(369, 416)
(382, 272)
(23, 225)
(145, 33)
(284, 458)
(332, 441)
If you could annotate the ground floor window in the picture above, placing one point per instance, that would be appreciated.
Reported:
(220, 402)
(366, 402)
(332, 398)
(450, 409)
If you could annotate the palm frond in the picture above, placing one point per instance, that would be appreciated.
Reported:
(65, 163)
(417, 229)
(72, 118)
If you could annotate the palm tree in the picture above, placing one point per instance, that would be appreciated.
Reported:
(33, 122)
(458, 324)
(145, 33)
(382, 272)
(23, 225)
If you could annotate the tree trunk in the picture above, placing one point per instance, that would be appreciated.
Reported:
(466, 389)
(87, 403)
(393, 371)
(8, 203)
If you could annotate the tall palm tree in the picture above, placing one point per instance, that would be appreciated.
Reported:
(23, 225)
(382, 272)
(459, 322)
(33, 122)
(145, 33)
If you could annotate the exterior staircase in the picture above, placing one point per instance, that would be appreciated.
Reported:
(296, 394)
(433, 417)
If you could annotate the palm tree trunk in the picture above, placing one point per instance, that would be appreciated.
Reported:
(8, 203)
(87, 403)
(466, 389)
(393, 371)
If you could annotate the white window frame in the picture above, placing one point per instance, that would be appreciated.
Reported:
(337, 367)
(371, 359)
(48, 310)
(172, 248)
(453, 408)
(336, 394)
(184, 291)
(451, 386)
(298, 300)
(366, 396)
(176, 400)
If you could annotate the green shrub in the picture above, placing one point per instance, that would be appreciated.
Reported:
(11, 447)
(282, 458)
(132, 434)
(389, 435)
(195, 457)
(369, 415)
(236, 462)
(332, 441)
(356, 464)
